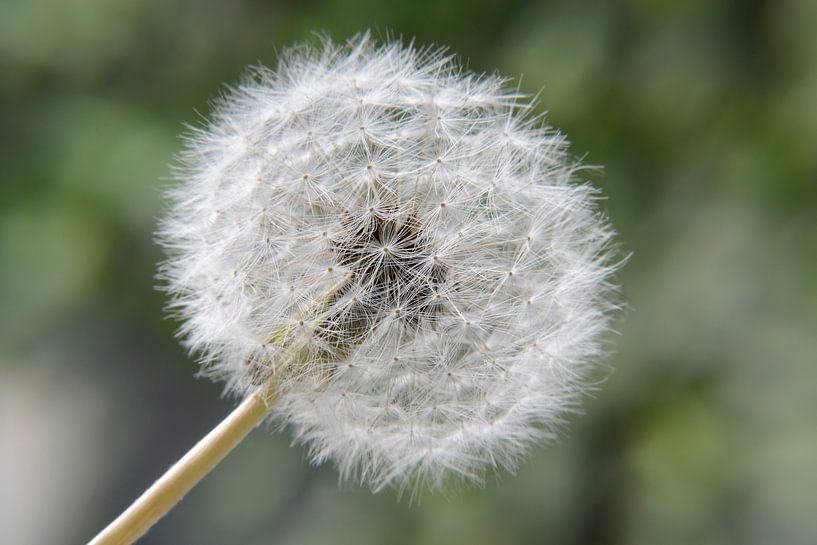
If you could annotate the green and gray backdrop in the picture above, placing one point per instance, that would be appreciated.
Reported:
(704, 116)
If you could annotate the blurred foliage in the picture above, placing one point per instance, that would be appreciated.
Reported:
(704, 114)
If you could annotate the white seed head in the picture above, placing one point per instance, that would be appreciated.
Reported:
(403, 247)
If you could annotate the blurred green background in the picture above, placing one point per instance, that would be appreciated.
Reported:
(704, 115)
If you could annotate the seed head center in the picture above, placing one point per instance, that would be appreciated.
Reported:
(391, 264)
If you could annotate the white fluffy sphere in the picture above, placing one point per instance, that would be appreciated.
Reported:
(398, 244)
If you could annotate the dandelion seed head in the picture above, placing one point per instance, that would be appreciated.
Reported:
(405, 246)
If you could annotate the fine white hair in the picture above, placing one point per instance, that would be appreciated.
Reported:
(403, 247)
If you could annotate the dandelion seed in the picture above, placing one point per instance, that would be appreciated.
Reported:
(436, 249)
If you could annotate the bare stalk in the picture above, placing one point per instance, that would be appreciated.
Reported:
(171, 487)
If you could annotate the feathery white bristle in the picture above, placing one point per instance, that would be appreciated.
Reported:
(410, 241)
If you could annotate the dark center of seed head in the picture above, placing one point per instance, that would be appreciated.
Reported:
(394, 274)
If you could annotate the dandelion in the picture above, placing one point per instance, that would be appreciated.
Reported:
(391, 256)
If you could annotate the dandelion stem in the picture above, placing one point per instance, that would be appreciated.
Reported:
(171, 487)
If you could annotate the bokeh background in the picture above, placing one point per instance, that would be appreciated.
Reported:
(704, 115)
